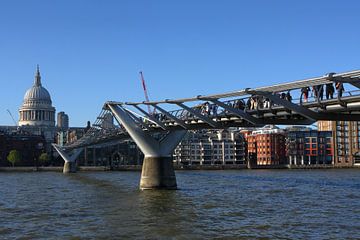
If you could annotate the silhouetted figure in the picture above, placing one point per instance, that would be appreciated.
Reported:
(267, 103)
(340, 88)
(253, 101)
(305, 93)
(283, 96)
(329, 89)
(260, 102)
(315, 92)
(240, 104)
(214, 109)
(248, 103)
(320, 91)
(288, 96)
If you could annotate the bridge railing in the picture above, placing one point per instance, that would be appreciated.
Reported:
(246, 104)
(260, 103)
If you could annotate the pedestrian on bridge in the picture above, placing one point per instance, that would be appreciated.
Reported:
(253, 101)
(340, 88)
(214, 109)
(305, 93)
(288, 96)
(239, 104)
(329, 89)
(283, 96)
(248, 103)
(320, 91)
(315, 92)
(267, 103)
(207, 108)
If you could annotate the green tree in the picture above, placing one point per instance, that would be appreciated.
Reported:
(14, 157)
(44, 158)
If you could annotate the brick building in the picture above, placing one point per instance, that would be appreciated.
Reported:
(346, 141)
(266, 146)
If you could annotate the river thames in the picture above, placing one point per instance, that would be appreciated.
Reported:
(243, 204)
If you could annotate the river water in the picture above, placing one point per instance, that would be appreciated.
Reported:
(243, 204)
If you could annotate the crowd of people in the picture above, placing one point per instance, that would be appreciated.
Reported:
(258, 101)
(318, 91)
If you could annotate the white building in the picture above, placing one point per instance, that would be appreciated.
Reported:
(37, 115)
(211, 147)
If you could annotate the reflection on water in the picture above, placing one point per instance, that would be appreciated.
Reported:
(242, 204)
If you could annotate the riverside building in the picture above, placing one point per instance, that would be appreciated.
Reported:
(30, 147)
(211, 147)
(266, 146)
(306, 146)
(346, 143)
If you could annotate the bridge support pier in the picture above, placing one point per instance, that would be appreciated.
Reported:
(158, 173)
(157, 170)
(69, 167)
(70, 160)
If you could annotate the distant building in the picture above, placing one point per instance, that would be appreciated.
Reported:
(117, 155)
(346, 141)
(37, 115)
(62, 121)
(306, 146)
(30, 147)
(266, 146)
(211, 147)
(71, 135)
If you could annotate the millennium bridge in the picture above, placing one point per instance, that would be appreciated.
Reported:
(158, 132)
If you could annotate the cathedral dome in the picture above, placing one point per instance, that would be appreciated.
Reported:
(37, 93)
(37, 107)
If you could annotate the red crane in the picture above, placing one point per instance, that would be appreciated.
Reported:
(145, 91)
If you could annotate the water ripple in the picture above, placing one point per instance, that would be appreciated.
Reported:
(243, 204)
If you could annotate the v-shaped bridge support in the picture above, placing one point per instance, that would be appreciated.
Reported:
(157, 170)
(70, 160)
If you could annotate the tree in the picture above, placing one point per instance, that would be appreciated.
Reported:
(14, 157)
(44, 158)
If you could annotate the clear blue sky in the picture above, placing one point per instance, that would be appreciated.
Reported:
(91, 51)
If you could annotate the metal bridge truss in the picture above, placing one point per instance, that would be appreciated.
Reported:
(232, 109)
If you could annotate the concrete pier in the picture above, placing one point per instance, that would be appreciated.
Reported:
(69, 167)
(158, 173)
(158, 170)
(69, 160)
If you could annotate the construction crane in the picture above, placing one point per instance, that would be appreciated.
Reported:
(145, 92)
(11, 116)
